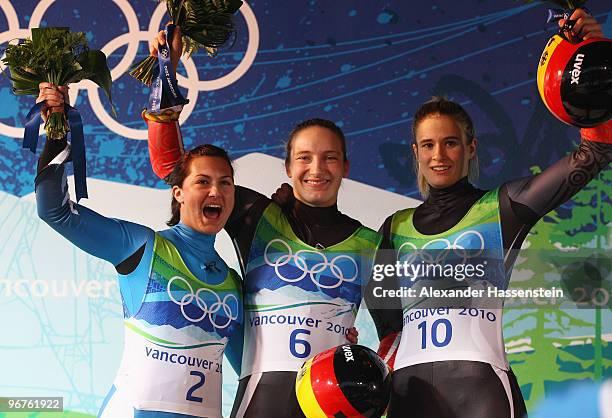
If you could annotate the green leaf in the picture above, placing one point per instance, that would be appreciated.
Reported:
(58, 56)
(94, 65)
(40, 36)
(205, 24)
(23, 81)
(21, 74)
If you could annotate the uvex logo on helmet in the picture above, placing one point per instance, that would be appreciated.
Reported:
(348, 354)
(577, 69)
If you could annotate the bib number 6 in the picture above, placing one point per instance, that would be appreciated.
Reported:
(435, 332)
(295, 343)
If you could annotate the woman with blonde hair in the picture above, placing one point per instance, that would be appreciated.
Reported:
(450, 364)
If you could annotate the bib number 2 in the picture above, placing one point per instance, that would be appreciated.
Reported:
(201, 379)
(440, 333)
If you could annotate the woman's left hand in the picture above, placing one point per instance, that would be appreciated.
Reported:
(352, 336)
(54, 98)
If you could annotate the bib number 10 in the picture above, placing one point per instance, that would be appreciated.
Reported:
(440, 333)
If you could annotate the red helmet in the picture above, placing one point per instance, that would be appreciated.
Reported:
(575, 80)
(346, 381)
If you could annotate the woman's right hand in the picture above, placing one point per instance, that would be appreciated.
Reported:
(585, 26)
(176, 49)
(54, 97)
(283, 196)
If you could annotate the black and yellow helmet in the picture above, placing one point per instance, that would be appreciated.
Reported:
(348, 381)
(575, 80)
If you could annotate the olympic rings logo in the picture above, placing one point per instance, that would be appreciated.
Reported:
(468, 244)
(206, 310)
(300, 260)
(164, 53)
(132, 39)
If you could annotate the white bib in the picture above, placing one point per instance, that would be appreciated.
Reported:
(284, 338)
(185, 381)
(439, 334)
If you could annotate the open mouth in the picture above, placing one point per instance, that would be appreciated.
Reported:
(212, 211)
(441, 168)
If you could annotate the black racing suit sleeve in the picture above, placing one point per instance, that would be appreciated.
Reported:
(525, 201)
(248, 209)
(385, 311)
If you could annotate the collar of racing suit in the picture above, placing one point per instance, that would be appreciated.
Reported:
(445, 207)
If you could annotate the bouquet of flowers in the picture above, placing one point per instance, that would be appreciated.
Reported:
(205, 24)
(57, 56)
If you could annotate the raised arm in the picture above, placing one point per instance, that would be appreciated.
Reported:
(165, 142)
(110, 239)
(166, 148)
(164, 133)
(525, 201)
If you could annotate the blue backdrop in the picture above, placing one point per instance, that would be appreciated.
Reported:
(365, 65)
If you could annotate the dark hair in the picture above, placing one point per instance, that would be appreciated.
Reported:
(323, 123)
(181, 171)
(441, 106)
